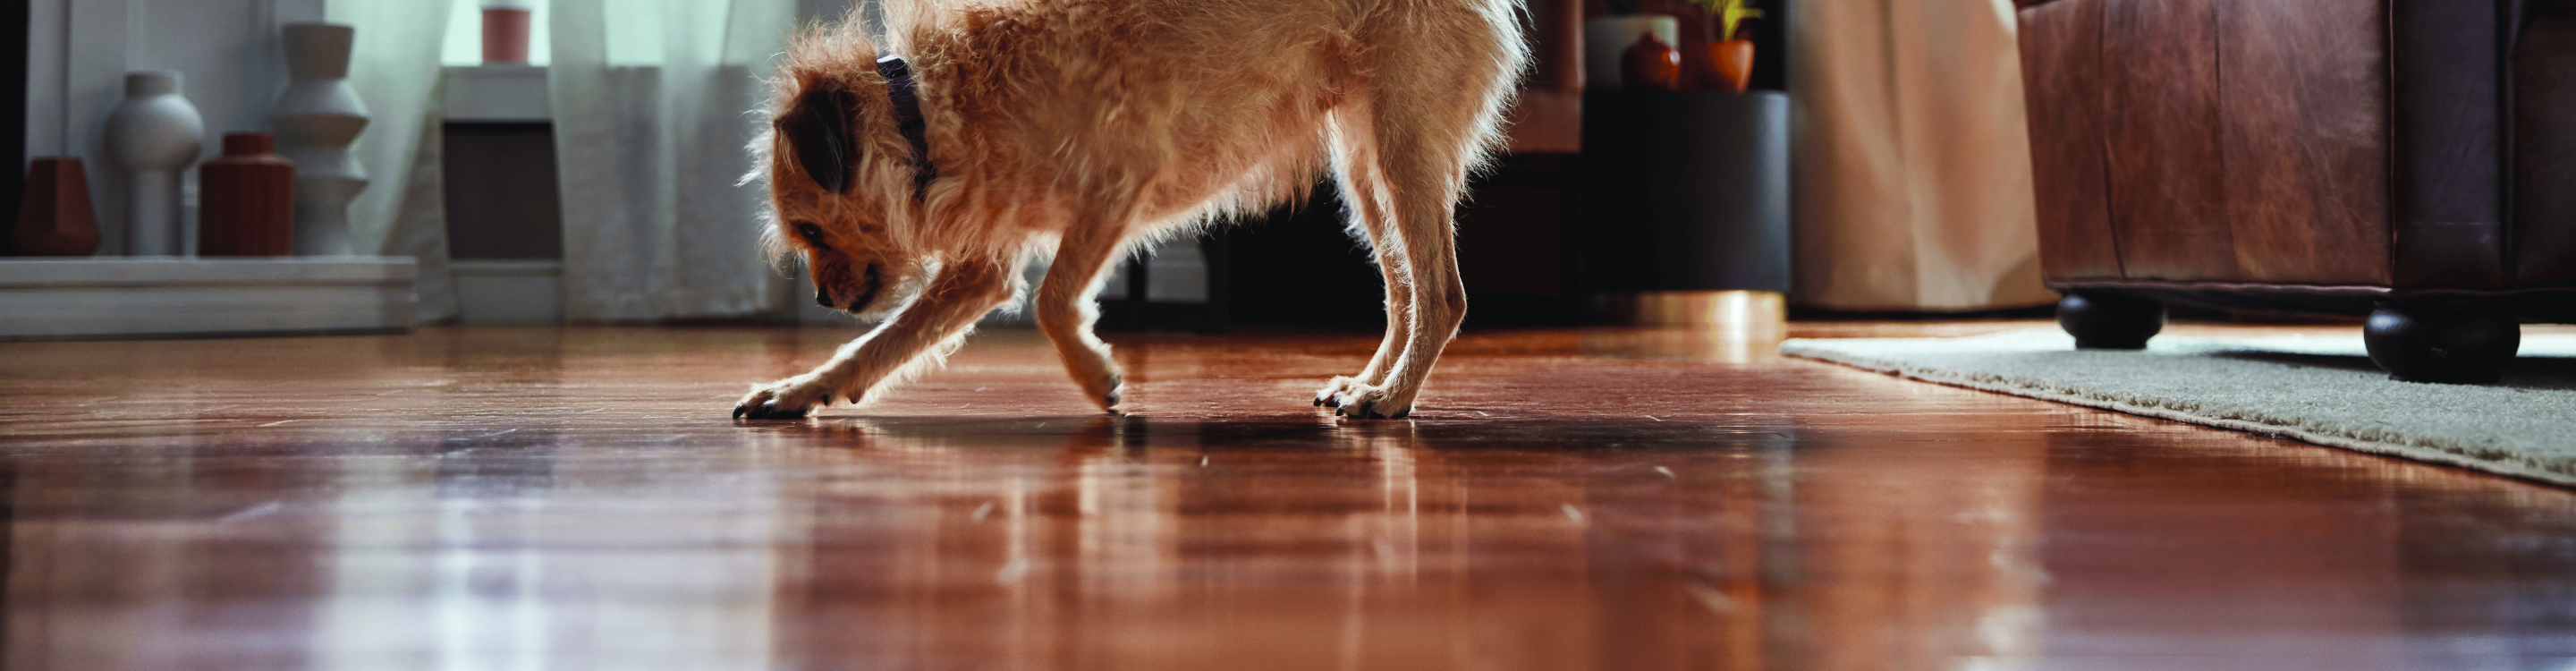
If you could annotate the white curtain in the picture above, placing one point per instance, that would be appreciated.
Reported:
(394, 66)
(651, 102)
(1913, 171)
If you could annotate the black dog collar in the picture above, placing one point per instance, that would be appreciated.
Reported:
(907, 118)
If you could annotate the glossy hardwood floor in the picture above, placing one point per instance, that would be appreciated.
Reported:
(467, 498)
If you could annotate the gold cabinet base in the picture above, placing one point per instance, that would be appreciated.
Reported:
(1749, 310)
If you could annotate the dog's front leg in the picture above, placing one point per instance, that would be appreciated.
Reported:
(964, 290)
(1065, 308)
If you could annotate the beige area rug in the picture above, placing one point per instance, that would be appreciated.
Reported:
(2322, 390)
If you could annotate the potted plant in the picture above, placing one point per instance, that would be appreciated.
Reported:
(1730, 56)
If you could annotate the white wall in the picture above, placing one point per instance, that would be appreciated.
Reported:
(80, 50)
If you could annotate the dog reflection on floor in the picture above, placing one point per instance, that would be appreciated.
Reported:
(916, 172)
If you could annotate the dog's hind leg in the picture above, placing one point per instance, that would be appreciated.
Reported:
(1433, 101)
(1363, 192)
(1417, 187)
(1066, 309)
(962, 292)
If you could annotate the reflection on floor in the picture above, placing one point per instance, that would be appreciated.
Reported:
(1566, 499)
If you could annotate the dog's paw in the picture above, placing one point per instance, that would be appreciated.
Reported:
(1361, 401)
(786, 399)
(1331, 395)
(1105, 390)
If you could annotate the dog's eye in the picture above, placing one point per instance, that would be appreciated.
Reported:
(812, 234)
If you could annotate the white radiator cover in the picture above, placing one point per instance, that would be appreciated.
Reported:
(50, 299)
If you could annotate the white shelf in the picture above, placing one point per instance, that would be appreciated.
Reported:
(50, 299)
(497, 94)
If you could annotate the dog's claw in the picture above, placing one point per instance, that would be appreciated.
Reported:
(767, 410)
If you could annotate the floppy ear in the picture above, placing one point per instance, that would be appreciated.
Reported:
(817, 128)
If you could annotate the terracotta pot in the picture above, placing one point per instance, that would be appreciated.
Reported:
(1651, 65)
(1605, 46)
(248, 200)
(1732, 60)
(55, 217)
(505, 35)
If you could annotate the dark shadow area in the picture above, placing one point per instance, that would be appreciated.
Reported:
(2297, 360)
(2530, 372)
(501, 192)
(13, 114)
(1299, 265)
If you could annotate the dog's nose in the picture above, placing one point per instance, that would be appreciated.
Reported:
(822, 299)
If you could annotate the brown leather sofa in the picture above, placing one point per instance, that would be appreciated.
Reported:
(2410, 160)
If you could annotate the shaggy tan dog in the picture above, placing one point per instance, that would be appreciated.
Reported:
(1100, 125)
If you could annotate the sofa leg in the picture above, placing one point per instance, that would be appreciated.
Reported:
(2441, 343)
(2109, 321)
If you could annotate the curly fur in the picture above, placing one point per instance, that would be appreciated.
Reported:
(1098, 125)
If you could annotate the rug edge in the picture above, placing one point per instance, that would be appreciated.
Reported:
(1814, 349)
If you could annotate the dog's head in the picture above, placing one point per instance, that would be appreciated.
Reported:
(840, 176)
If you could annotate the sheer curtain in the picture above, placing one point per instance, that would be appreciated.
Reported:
(651, 106)
(394, 66)
(1913, 171)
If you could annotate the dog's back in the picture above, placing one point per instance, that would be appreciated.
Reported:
(1202, 106)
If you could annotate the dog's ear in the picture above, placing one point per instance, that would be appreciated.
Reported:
(817, 128)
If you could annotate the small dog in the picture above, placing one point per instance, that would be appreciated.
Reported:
(917, 184)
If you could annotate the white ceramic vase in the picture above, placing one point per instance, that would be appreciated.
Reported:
(154, 135)
(316, 120)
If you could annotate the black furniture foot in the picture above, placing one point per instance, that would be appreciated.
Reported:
(2109, 321)
(2448, 344)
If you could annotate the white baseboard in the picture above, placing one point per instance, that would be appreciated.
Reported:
(508, 291)
(61, 299)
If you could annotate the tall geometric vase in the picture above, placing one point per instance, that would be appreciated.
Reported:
(316, 120)
(54, 216)
(155, 135)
